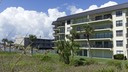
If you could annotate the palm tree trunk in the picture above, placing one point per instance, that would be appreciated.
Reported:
(90, 54)
(31, 50)
(4, 46)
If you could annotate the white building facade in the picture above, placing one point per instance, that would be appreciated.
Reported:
(110, 30)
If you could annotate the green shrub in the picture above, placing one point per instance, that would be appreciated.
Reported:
(119, 56)
(90, 61)
(45, 58)
(78, 62)
(82, 59)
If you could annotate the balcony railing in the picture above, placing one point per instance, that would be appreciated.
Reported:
(98, 46)
(126, 34)
(93, 37)
(103, 27)
(61, 25)
(126, 24)
(126, 45)
(62, 32)
(96, 27)
(90, 19)
(54, 27)
(127, 14)
(94, 19)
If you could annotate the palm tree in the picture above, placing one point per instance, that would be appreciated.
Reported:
(88, 31)
(32, 38)
(4, 40)
(10, 44)
(74, 45)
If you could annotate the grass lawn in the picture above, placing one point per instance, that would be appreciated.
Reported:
(37, 63)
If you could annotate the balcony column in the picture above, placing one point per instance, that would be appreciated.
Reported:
(103, 44)
(88, 18)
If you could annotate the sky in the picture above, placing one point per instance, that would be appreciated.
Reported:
(21, 17)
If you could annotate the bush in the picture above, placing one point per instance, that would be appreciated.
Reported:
(119, 57)
(78, 62)
(45, 58)
(90, 61)
(82, 62)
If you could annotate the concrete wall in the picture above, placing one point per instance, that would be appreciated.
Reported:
(123, 27)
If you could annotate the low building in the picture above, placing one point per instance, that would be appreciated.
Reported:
(38, 43)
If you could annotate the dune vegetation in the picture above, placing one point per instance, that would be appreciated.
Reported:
(15, 62)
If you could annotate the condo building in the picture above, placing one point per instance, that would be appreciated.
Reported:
(110, 34)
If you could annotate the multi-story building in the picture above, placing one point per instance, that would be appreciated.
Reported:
(38, 43)
(110, 34)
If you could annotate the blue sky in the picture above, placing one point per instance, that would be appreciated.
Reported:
(18, 17)
(44, 5)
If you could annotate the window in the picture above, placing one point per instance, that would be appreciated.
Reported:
(119, 43)
(98, 18)
(62, 30)
(56, 38)
(119, 52)
(119, 13)
(119, 23)
(62, 24)
(106, 16)
(119, 32)
(62, 37)
(68, 21)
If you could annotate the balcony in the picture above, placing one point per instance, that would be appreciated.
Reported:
(62, 32)
(127, 14)
(92, 20)
(126, 34)
(126, 45)
(83, 38)
(102, 28)
(55, 34)
(107, 46)
(62, 25)
(96, 28)
(55, 28)
(127, 25)
(93, 37)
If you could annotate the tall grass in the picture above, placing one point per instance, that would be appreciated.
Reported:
(36, 63)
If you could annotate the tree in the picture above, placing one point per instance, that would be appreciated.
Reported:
(64, 51)
(74, 45)
(66, 48)
(4, 40)
(10, 42)
(32, 39)
(88, 31)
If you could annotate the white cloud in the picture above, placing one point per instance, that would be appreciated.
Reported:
(75, 10)
(110, 3)
(19, 21)
(92, 7)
